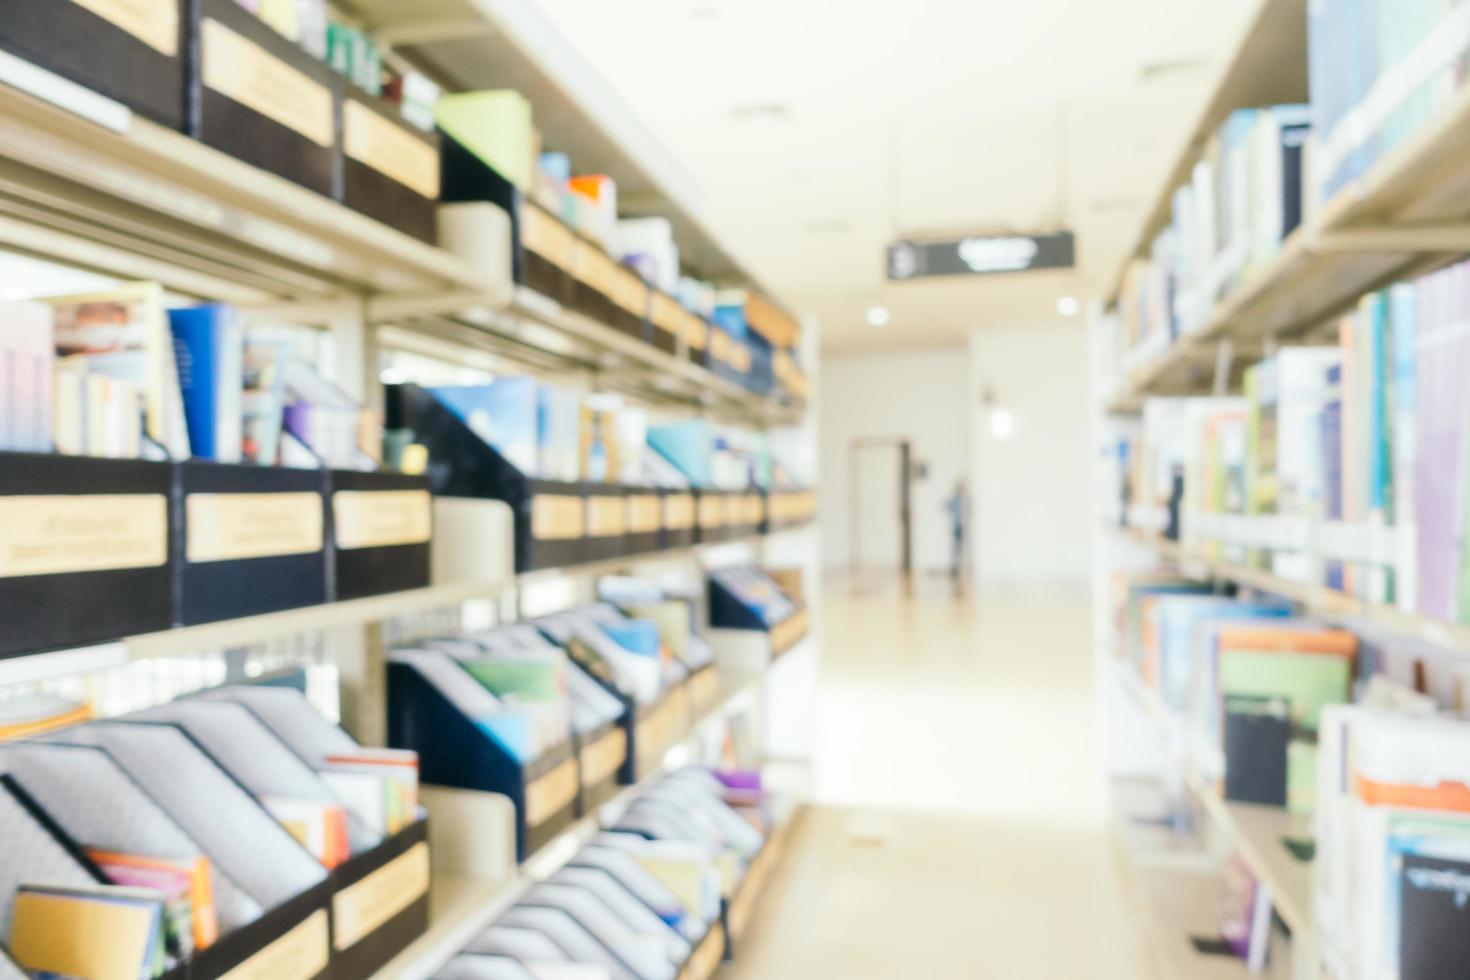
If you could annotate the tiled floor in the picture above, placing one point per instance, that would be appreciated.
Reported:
(959, 829)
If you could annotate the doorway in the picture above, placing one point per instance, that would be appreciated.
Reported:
(880, 538)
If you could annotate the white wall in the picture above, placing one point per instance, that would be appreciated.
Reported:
(1031, 494)
(922, 396)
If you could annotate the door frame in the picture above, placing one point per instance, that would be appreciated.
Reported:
(905, 496)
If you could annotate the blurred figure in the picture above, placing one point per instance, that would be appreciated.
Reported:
(957, 504)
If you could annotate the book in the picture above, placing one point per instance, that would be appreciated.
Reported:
(209, 349)
(187, 887)
(1257, 749)
(27, 357)
(106, 933)
(124, 334)
(262, 400)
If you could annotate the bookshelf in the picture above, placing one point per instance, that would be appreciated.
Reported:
(1407, 215)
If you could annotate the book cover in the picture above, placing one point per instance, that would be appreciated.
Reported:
(101, 934)
(1257, 735)
(209, 351)
(1434, 918)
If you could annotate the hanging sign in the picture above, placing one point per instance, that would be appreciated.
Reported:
(982, 255)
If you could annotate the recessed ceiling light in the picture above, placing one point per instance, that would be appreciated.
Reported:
(878, 316)
(1069, 306)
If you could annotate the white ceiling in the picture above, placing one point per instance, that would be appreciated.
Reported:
(821, 130)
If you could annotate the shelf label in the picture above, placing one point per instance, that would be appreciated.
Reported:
(257, 79)
(154, 22)
(547, 237)
(696, 331)
(298, 955)
(53, 535)
(679, 511)
(359, 909)
(734, 510)
(555, 517)
(664, 313)
(645, 516)
(607, 517)
(787, 634)
(550, 793)
(370, 139)
(234, 526)
(382, 518)
(591, 267)
(629, 291)
(711, 511)
(602, 759)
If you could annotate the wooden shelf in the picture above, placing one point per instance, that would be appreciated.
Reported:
(1328, 603)
(1407, 215)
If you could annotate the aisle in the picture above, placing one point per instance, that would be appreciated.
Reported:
(959, 830)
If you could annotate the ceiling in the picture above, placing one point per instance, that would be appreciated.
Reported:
(820, 131)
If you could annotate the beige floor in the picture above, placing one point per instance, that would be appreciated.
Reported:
(959, 829)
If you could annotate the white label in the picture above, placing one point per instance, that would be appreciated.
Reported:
(382, 518)
(258, 80)
(234, 526)
(370, 139)
(154, 22)
(89, 533)
(298, 955)
(359, 909)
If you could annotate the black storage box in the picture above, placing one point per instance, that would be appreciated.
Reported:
(664, 318)
(288, 940)
(455, 751)
(593, 274)
(645, 520)
(381, 527)
(711, 517)
(607, 521)
(86, 550)
(263, 99)
(380, 902)
(728, 611)
(390, 168)
(601, 756)
(550, 517)
(653, 729)
(630, 298)
(134, 52)
(681, 517)
(251, 540)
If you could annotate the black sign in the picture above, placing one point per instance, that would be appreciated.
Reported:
(982, 255)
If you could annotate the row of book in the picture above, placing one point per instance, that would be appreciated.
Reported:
(647, 898)
(1368, 433)
(1363, 730)
(117, 374)
(548, 432)
(1379, 71)
(1246, 194)
(187, 835)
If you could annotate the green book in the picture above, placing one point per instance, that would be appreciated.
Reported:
(1310, 681)
(523, 679)
(496, 127)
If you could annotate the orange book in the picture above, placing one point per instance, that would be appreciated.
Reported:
(139, 871)
(1447, 797)
(1257, 636)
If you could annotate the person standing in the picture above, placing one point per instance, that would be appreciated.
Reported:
(957, 504)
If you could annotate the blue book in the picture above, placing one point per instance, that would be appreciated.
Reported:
(688, 446)
(505, 414)
(209, 350)
(1376, 307)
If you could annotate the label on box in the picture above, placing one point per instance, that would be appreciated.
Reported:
(370, 139)
(696, 332)
(51, 535)
(755, 508)
(154, 22)
(382, 518)
(655, 732)
(233, 526)
(257, 79)
(359, 909)
(547, 237)
(607, 517)
(739, 356)
(298, 955)
(592, 267)
(707, 956)
(711, 511)
(665, 313)
(719, 346)
(645, 513)
(734, 510)
(630, 292)
(679, 511)
(555, 517)
(787, 634)
(551, 793)
(602, 759)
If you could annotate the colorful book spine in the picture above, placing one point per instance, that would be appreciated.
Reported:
(209, 352)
